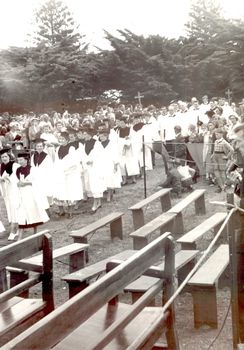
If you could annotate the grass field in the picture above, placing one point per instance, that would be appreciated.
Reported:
(101, 247)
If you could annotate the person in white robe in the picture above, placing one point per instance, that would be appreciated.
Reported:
(43, 171)
(128, 154)
(9, 189)
(2, 228)
(93, 168)
(30, 212)
(68, 187)
(110, 161)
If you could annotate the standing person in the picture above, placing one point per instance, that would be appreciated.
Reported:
(222, 152)
(2, 228)
(9, 190)
(110, 161)
(68, 187)
(43, 168)
(93, 168)
(30, 212)
(208, 143)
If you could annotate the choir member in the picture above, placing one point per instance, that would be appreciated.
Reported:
(9, 190)
(68, 187)
(30, 212)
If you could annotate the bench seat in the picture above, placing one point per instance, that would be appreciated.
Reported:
(164, 222)
(204, 287)
(116, 230)
(76, 251)
(17, 310)
(188, 241)
(198, 198)
(80, 279)
(94, 327)
(137, 209)
(184, 262)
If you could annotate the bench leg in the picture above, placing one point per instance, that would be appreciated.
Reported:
(17, 277)
(139, 243)
(183, 272)
(3, 280)
(137, 295)
(116, 228)
(138, 218)
(169, 227)
(76, 287)
(77, 261)
(205, 306)
(188, 246)
(165, 202)
(224, 280)
(179, 225)
(85, 241)
(200, 205)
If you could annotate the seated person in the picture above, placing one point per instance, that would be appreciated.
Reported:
(179, 178)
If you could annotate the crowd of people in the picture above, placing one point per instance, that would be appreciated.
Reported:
(63, 159)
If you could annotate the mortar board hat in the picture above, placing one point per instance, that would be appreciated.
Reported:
(104, 131)
(39, 140)
(18, 142)
(23, 154)
(90, 131)
(4, 150)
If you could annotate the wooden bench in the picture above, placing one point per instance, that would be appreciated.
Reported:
(198, 198)
(94, 319)
(184, 262)
(116, 229)
(164, 222)
(189, 240)
(80, 279)
(137, 209)
(204, 287)
(18, 313)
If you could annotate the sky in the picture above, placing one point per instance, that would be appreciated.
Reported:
(163, 17)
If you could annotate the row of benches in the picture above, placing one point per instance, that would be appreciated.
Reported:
(94, 318)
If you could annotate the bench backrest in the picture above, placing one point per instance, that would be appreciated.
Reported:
(12, 253)
(65, 319)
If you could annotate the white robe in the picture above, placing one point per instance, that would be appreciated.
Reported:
(128, 154)
(111, 172)
(93, 171)
(44, 177)
(30, 209)
(67, 176)
(9, 191)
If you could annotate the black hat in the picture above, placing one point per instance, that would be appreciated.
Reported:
(65, 134)
(4, 150)
(39, 140)
(18, 143)
(210, 113)
(104, 131)
(90, 131)
(24, 154)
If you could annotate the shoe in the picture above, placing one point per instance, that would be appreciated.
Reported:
(12, 236)
(94, 210)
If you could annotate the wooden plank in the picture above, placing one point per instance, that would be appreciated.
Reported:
(57, 253)
(150, 199)
(198, 231)
(65, 319)
(19, 313)
(144, 282)
(93, 270)
(95, 326)
(84, 231)
(179, 207)
(154, 225)
(211, 270)
(19, 288)
(9, 303)
(19, 250)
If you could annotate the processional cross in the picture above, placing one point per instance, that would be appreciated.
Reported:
(229, 93)
(139, 97)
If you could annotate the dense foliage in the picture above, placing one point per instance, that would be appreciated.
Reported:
(59, 70)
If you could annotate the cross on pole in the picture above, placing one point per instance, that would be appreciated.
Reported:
(229, 93)
(139, 97)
